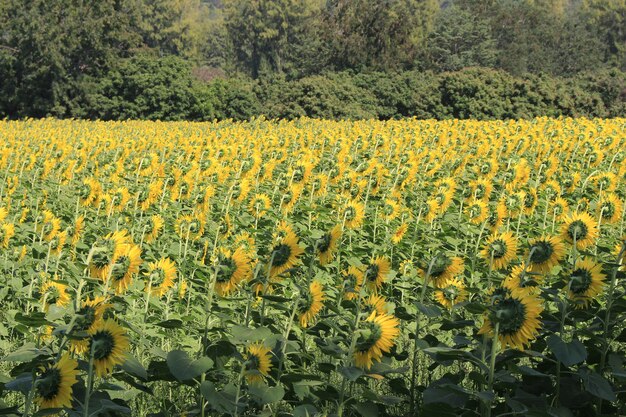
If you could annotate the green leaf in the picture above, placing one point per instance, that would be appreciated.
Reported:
(352, 373)
(366, 409)
(267, 395)
(221, 401)
(36, 319)
(26, 353)
(183, 368)
(429, 310)
(171, 324)
(134, 367)
(597, 385)
(305, 410)
(567, 353)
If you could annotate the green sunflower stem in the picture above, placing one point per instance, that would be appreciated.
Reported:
(607, 317)
(492, 366)
(89, 381)
(412, 404)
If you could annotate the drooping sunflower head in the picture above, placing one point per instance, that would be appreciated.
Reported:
(109, 343)
(585, 282)
(54, 293)
(477, 211)
(311, 303)
(443, 267)
(258, 363)
(580, 228)
(517, 318)
(153, 227)
(327, 245)
(451, 292)
(161, 276)
(376, 336)
(53, 385)
(90, 315)
(353, 278)
(500, 250)
(126, 263)
(352, 214)
(377, 272)
(523, 281)
(285, 252)
(545, 253)
(231, 268)
(610, 208)
(7, 231)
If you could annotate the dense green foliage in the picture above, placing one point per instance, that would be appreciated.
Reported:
(118, 59)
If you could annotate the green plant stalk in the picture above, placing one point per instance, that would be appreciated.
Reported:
(412, 404)
(89, 382)
(492, 366)
(607, 317)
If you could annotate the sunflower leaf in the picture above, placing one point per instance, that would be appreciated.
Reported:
(567, 353)
(183, 368)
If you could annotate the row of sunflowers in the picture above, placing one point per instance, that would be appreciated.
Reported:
(309, 267)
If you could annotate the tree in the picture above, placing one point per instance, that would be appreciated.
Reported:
(49, 47)
(460, 39)
(379, 34)
(264, 32)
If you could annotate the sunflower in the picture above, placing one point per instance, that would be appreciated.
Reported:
(327, 245)
(558, 207)
(451, 292)
(517, 316)
(353, 277)
(50, 226)
(501, 249)
(231, 269)
(477, 211)
(311, 303)
(545, 253)
(153, 228)
(377, 272)
(399, 233)
(161, 275)
(109, 343)
(375, 337)
(90, 192)
(119, 199)
(259, 205)
(522, 281)
(376, 303)
(54, 293)
(610, 208)
(57, 243)
(442, 268)
(430, 209)
(286, 251)
(258, 363)
(352, 214)
(126, 263)
(496, 216)
(585, 282)
(89, 316)
(582, 227)
(53, 385)
(390, 209)
(77, 230)
(3, 213)
(189, 227)
(104, 251)
(7, 231)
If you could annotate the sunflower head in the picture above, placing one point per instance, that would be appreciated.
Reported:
(108, 343)
(54, 383)
(258, 363)
(585, 282)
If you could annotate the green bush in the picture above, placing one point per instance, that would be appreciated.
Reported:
(144, 87)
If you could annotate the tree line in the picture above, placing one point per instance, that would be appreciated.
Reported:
(206, 59)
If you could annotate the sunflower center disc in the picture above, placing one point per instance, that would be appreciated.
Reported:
(577, 229)
(511, 314)
(48, 383)
(324, 243)
(580, 281)
(281, 254)
(541, 252)
(103, 344)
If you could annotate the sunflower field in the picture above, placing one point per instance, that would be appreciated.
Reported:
(313, 268)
